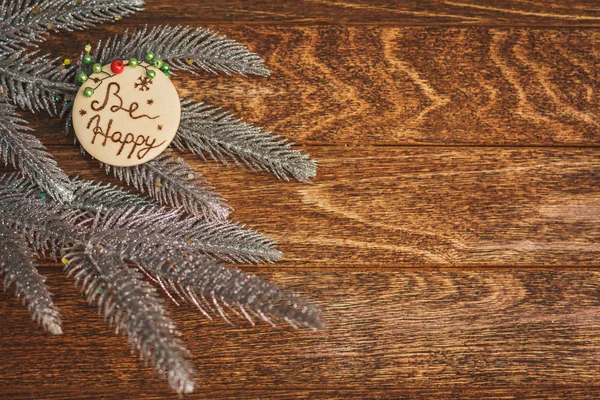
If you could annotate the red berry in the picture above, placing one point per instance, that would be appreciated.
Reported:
(117, 66)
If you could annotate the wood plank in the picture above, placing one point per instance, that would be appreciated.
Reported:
(556, 393)
(390, 86)
(403, 330)
(378, 206)
(376, 12)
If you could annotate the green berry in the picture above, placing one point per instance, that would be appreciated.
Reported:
(97, 68)
(167, 74)
(88, 92)
(150, 56)
(81, 77)
(165, 67)
(158, 63)
(151, 73)
(87, 59)
(133, 62)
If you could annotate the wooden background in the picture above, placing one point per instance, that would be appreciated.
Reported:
(451, 235)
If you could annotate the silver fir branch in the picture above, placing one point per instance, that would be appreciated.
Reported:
(26, 22)
(185, 48)
(224, 240)
(171, 181)
(133, 307)
(24, 151)
(36, 83)
(208, 130)
(97, 249)
(17, 267)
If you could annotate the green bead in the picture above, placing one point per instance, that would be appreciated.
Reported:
(88, 92)
(158, 63)
(151, 73)
(97, 68)
(87, 59)
(133, 62)
(150, 56)
(81, 77)
(165, 67)
(167, 74)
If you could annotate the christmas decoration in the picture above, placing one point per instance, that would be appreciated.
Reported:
(110, 97)
(126, 117)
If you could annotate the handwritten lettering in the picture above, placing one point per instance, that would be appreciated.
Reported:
(143, 144)
(113, 89)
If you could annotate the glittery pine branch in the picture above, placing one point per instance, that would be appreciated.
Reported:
(17, 266)
(100, 229)
(96, 197)
(36, 83)
(26, 22)
(223, 240)
(147, 239)
(46, 225)
(209, 130)
(131, 304)
(171, 181)
(25, 152)
(185, 48)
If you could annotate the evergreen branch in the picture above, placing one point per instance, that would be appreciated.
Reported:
(17, 266)
(45, 224)
(133, 307)
(197, 277)
(96, 197)
(25, 152)
(185, 48)
(36, 84)
(209, 130)
(227, 241)
(172, 181)
(24, 22)
(232, 288)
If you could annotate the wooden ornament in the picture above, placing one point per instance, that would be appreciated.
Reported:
(127, 118)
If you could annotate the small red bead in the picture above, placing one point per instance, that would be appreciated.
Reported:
(117, 66)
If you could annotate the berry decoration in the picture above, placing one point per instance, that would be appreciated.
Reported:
(150, 73)
(97, 68)
(81, 77)
(133, 62)
(88, 92)
(158, 63)
(165, 67)
(87, 59)
(117, 66)
(150, 56)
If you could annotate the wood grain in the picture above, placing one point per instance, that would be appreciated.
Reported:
(389, 206)
(406, 331)
(378, 12)
(411, 86)
(451, 235)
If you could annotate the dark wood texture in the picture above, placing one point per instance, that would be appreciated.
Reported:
(418, 85)
(390, 333)
(377, 12)
(451, 235)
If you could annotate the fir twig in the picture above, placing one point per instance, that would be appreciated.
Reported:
(173, 182)
(133, 307)
(17, 266)
(25, 22)
(227, 241)
(185, 48)
(146, 239)
(206, 129)
(36, 84)
(25, 152)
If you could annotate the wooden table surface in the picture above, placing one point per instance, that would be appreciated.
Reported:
(451, 235)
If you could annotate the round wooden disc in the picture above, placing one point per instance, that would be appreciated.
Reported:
(130, 119)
